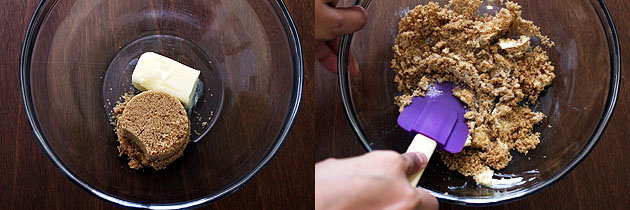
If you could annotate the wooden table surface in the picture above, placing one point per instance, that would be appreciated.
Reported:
(31, 181)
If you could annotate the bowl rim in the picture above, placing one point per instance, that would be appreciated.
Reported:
(613, 47)
(298, 77)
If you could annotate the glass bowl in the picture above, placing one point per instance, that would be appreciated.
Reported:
(77, 61)
(578, 104)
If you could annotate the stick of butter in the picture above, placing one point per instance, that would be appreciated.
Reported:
(159, 73)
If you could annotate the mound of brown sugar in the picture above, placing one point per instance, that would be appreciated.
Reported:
(498, 63)
(153, 129)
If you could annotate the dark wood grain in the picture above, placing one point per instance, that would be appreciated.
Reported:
(31, 181)
(597, 183)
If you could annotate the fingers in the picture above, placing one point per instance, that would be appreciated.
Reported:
(426, 201)
(332, 22)
(353, 66)
(326, 57)
(414, 162)
(326, 53)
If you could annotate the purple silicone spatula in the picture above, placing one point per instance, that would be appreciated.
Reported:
(436, 120)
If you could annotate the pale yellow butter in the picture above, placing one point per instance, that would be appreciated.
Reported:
(159, 73)
(511, 43)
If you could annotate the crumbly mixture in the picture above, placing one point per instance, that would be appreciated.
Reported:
(497, 61)
(152, 128)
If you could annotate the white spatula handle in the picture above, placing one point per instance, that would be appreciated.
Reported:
(422, 144)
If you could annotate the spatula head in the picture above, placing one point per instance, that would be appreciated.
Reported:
(439, 115)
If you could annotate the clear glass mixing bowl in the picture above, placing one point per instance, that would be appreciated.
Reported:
(77, 60)
(578, 104)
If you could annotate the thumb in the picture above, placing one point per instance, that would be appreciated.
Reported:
(340, 21)
(414, 162)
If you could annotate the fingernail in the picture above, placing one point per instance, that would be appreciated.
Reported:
(423, 158)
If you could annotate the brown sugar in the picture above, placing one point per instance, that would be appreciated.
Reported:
(499, 65)
(153, 129)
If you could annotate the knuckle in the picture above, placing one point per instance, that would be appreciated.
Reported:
(336, 19)
(391, 158)
(336, 23)
(395, 158)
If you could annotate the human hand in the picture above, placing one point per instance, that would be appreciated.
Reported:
(376, 180)
(330, 24)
